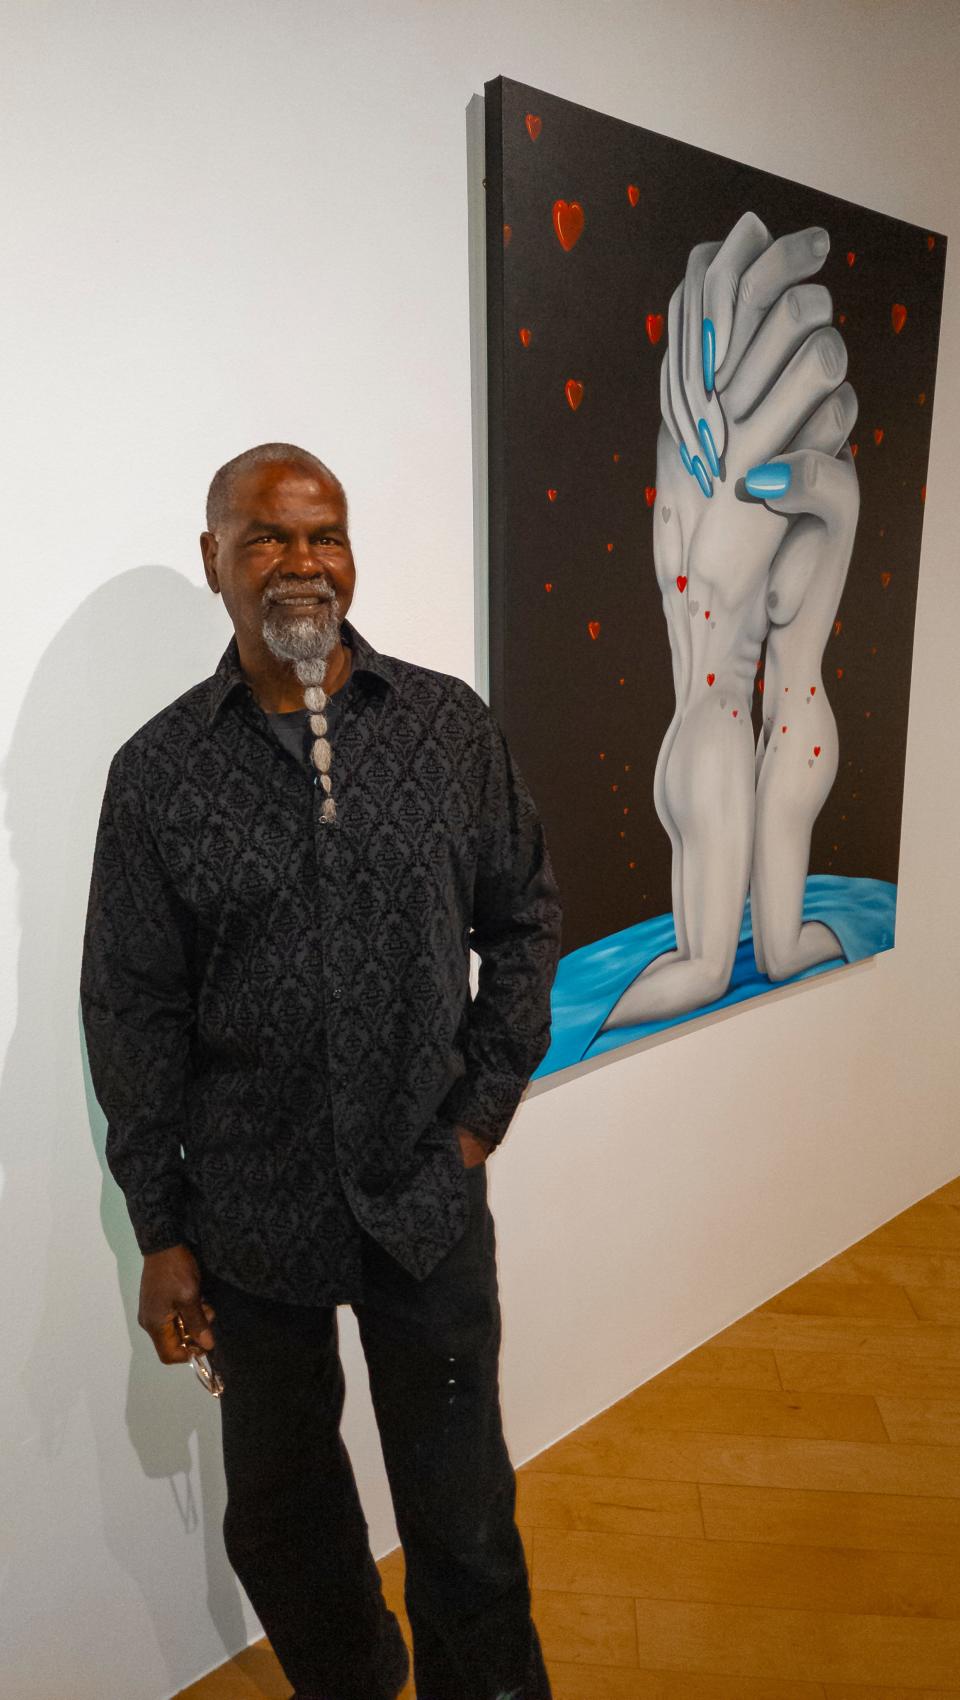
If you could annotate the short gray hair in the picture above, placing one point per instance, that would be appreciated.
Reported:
(224, 482)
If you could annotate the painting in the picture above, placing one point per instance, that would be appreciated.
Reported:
(710, 393)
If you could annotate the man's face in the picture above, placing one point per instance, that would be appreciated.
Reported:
(282, 560)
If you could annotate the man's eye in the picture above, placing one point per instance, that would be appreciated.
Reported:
(265, 538)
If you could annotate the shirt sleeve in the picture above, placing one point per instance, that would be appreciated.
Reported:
(138, 1011)
(516, 933)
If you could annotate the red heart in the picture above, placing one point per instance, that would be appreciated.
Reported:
(839, 672)
(650, 492)
(923, 492)
(525, 336)
(898, 317)
(885, 579)
(681, 584)
(609, 548)
(548, 587)
(574, 392)
(837, 627)
(851, 256)
(616, 458)
(878, 435)
(568, 222)
(654, 327)
(710, 678)
(551, 495)
(593, 627)
(931, 243)
(853, 449)
(816, 749)
(633, 194)
(760, 686)
(534, 126)
(734, 712)
(813, 690)
(921, 398)
(507, 233)
(842, 318)
(706, 613)
(783, 728)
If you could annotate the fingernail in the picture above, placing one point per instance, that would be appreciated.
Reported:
(709, 354)
(772, 479)
(820, 243)
(700, 474)
(685, 457)
(709, 447)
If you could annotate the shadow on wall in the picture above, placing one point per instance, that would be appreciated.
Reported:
(132, 647)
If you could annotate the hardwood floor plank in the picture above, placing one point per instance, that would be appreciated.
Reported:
(890, 1373)
(881, 1522)
(586, 1628)
(901, 1266)
(750, 1573)
(721, 1366)
(737, 1410)
(598, 1682)
(931, 1421)
(608, 1503)
(916, 1342)
(840, 1298)
(812, 1646)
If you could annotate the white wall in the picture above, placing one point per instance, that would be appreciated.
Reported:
(247, 219)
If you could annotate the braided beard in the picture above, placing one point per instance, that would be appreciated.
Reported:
(309, 643)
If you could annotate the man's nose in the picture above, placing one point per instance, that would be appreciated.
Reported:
(302, 558)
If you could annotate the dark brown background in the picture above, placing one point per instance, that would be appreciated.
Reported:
(556, 691)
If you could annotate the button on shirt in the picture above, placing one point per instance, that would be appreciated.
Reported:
(277, 1008)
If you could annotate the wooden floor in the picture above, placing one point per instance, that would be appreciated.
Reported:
(775, 1517)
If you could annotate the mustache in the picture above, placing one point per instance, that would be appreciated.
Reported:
(320, 589)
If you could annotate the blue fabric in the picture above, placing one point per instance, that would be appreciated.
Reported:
(862, 913)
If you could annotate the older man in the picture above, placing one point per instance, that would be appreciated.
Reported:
(293, 862)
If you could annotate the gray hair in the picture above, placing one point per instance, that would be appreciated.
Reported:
(224, 482)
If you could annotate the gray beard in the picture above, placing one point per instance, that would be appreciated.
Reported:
(306, 640)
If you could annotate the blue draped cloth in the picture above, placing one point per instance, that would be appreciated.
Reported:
(861, 912)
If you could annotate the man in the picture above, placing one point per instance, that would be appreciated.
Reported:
(293, 862)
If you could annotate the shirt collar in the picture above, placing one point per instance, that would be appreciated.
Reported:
(366, 660)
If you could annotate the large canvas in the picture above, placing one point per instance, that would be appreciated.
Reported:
(708, 441)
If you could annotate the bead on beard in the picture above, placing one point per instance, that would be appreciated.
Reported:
(315, 698)
(318, 725)
(320, 755)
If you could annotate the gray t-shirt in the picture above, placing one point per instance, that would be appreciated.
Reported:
(293, 729)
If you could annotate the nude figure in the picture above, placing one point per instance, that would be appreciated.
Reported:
(756, 513)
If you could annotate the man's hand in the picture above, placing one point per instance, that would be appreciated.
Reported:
(170, 1284)
(474, 1149)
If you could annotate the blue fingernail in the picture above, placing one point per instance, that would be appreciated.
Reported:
(709, 354)
(700, 474)
(772, 479)
(709, 447)
(685, 457)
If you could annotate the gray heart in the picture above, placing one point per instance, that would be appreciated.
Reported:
(666, 512)
(810, 762)
(694, 607)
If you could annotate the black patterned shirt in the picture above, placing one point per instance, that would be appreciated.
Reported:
(277, 1008)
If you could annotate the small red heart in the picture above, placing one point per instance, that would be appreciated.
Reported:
(760, 686)
(706, 613)
(898, 317)
(885, 579)
(525, 336)
(923, 492)
(921, 398)
(551, 495)
(878, 435)
(839, 672)
(816, 749)
(574, 392)
(931, 243)
(654, 327)
(633, 194)
(650, 492)
(783, 729)
(842, 318)
(534, 126)
(837, 627)
(616, 458)
(507, 233)
(548, 587)
(854, 448)
(593, 627)
(681, 583)
(851, 256)
(609, 548)
(813, 690)
(734, 712)
(568, 223)
(710, 678)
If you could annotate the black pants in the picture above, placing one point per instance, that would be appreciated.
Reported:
(294, 1530)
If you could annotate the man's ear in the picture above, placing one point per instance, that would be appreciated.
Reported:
(208, 549)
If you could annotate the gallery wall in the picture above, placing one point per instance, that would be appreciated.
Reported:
(245, 220)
